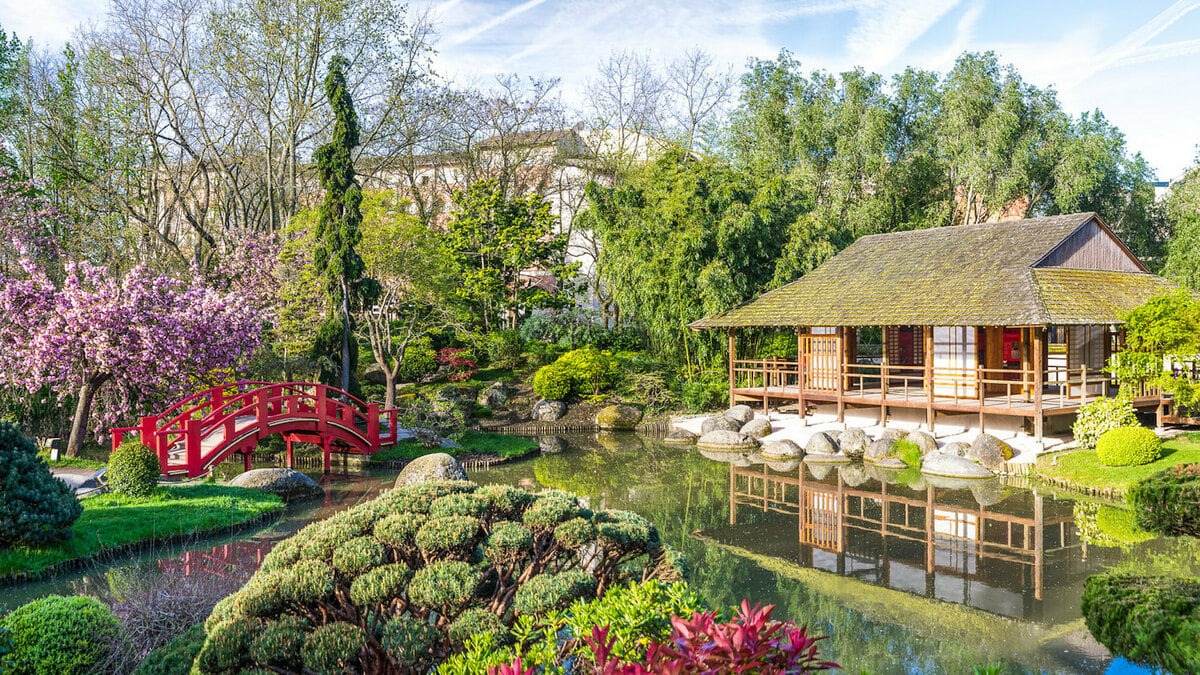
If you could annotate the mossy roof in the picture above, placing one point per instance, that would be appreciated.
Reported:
(974, 275)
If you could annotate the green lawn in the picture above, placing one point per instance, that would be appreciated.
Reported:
(1083, 468)
(473, 442)
(72, 462)
(109, 521)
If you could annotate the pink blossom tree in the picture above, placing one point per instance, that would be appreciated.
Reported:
(119, 343)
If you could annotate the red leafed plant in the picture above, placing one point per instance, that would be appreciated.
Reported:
(514, 668)
(461, 367)
(750, 643)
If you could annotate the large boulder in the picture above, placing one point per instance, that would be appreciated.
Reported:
(741, 413)
(494, 395)
(287, 483)
(429, 468)
(374, 374)
(953, 466)
(548, 411)
(893, 434)
(957, 448)
(619, 417)
(853, 443)
(821, 443)
(990, 451)
(680, 437)
(879, 449)
(719, 423)
(727, 440)
(922, 440)
(776, 450)
(759, 427)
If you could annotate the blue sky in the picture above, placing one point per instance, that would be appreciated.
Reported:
(1137, 60)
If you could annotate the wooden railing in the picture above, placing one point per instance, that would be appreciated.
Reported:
(986, 387)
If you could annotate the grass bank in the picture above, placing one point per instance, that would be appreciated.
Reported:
(1082, 471)
(113, 522)
(503, 446)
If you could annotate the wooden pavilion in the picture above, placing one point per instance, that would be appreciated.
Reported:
(1015, 318)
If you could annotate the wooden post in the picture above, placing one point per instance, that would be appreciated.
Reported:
(1039, 376)
(732, 370)
(801, 364)
(928, 357)
(883, 375)
(1082, 384)
(841, 373)
(290, 461)
(979, 392)
(246, 460)
(733, 495)
(191, 448)
(325, 443)
(765, 394)
(373, 425)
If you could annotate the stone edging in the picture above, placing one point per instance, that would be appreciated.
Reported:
(133, 546)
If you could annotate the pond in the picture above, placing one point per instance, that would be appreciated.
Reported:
(903, 574)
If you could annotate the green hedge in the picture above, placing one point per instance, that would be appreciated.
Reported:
(1168, 502)
(58, 635)
(1128, 446)
(1150, 620)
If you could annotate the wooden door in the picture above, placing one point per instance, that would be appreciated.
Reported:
(820, 361)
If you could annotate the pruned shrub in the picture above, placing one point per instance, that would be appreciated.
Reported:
(1103, 414)
(408, 578)
(1168, 502)
(133, 470)
(1128, 446)
(1150, 620)
(58, 634)
(35, 507)
(584, 372)
(174, 657)
(504, 348)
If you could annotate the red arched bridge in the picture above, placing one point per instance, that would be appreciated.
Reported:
(208, 427)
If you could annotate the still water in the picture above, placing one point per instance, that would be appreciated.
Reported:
(904, 574)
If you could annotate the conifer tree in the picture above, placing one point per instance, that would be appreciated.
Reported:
(338, 222)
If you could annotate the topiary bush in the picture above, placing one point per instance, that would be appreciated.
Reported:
(1128, 446)
(174, 657)
(35, 507)
(1168, 502)
(1099, 416)
(584, 372)
(400, 582)
(133, 470)
(58, 634)
(1150, 620)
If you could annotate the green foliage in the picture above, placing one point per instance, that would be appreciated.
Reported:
(908, 452)
(58, 634)
(133, 470)
(1165, 326)
(176, 656)
(420, 570)
(334, 648)
(550, 592)
(35, 508)
(585, 372)
(495, 239)
(449, 536)
(1084, 469)
(636, 614)
(1101, 415)
(1150, 620)
(552, 382)
(1125, 446)
(1168, 502)
(477, 621)
(420, 359)
(504, 348)
(1182, 208)
(703, 394)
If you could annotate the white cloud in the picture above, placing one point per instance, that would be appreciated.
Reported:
(886, 28)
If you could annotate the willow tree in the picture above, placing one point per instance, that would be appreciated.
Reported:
(338, 221)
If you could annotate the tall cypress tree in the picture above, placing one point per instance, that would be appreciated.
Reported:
(337, 231)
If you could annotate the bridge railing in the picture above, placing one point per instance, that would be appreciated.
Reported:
(245, 411)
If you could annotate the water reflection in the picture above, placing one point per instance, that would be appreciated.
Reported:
(1006, 551)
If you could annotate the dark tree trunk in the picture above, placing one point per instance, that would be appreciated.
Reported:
(83, 411)
(389, 397)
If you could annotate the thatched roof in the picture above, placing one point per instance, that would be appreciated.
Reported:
(973, 275)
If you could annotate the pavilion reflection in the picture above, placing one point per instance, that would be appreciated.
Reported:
(1010, 552)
